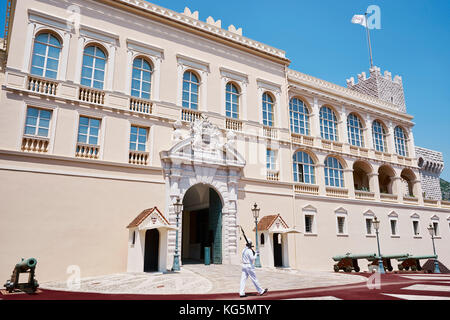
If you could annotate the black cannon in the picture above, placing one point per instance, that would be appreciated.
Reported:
(25, 266)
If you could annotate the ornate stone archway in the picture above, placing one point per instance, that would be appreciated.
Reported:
(204, 156)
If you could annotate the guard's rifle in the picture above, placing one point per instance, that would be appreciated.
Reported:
(246, 240)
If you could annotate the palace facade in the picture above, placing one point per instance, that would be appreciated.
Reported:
(111, 110)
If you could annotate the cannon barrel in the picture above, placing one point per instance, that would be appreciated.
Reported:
(355, 256)
(27, 264)
(392, 256)
(418, 257)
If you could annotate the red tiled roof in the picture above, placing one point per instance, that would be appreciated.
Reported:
(143, 215)
(266, 222)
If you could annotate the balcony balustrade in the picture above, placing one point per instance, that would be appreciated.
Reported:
(336, 192)
(273, 175)
(87, 151)
(141, 106)
(306, 188)
(91, 95)
(35, 144)
(233, 124)
(41, 85)
(190, 115)
(138, 157)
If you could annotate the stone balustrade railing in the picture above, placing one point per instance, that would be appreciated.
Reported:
(270, 132)
(364, 195)
(233, 124)
(273, 175)
(302, 139)
(91, 95)
(87, 151)
(35, 144)
(306, 188)
(190, 115)
(138, 157)
(336, 192)
(388, 197)
(141, 106)
(41, 85)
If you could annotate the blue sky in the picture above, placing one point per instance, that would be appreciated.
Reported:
(414, 42)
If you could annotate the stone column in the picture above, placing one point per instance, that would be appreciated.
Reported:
(28, 46)
(349, 184)
(374, 185)
(315, 123)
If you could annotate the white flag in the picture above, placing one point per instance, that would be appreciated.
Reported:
(359, 19)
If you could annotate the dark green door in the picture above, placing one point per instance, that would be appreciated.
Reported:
(151, 250)
(215, 226)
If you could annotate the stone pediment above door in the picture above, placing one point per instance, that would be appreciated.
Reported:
(205, 143)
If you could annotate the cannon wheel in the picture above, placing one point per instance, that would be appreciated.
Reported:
(390, 269)
(400, 267)
(348, 269)
(336, 268)
(407, 268)
(357, 269)
(413, 268)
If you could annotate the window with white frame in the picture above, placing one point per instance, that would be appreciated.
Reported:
(393, 223)
(268, 110)
(334, 173)
(94, 66)
(46, 53)
(141, 79)
(379, 136)
(309, 223)
(232, 101)
(37, 122)
(88, 130)
(416, 230)
(271, 159)
(299, 116)
(303, 168)
(436, 228)
(401, 146)
(191, 86)
(355, 131)
(328, 124)
(341, 225)
(369, 226)
(138, 139)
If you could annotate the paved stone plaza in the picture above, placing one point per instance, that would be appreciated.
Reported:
(201, 279)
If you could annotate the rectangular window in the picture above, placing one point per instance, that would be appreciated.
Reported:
(341, 225)
(37, 122)
(88, 131)
(416, 227)
(309, 223)
(369, 226)
(393, 227)
(270, 159)
(436, 229)
(138, 139)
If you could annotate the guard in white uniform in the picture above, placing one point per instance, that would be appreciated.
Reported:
(248, 270)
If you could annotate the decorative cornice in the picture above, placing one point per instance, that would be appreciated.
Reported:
(203, 26)
(344, 92)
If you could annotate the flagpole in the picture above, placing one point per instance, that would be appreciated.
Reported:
(368, 38)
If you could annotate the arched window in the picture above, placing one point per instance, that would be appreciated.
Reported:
(268, 112)
(401, 146)
(334, 173)
(190, 90)
(232, 101)
(379, 136)
(355, 131)
(328, 124)
(303, 168)
(141, 79)
(94, 64)
(299, 115)
(46, 52)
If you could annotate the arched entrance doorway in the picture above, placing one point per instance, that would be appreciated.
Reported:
(151, 250)
(201, 225)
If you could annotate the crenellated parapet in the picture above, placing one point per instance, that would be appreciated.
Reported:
(381, 86)
(210, 20)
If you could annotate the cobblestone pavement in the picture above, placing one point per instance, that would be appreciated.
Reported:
(201, 279)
